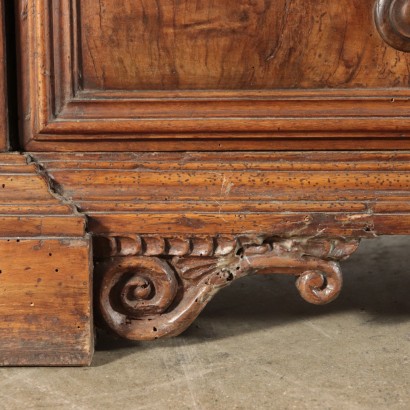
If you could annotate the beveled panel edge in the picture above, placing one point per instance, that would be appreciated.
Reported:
(58, 143)
(51, 122)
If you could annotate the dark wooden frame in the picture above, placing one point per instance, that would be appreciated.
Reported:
(4, 143)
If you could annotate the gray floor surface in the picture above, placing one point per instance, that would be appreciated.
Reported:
(256, 346)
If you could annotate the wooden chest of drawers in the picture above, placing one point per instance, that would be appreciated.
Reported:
(191, 143)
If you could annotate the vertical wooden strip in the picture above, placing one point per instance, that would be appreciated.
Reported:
(3, 84)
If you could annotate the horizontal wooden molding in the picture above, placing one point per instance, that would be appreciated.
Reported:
(29, 206)
(358, 194)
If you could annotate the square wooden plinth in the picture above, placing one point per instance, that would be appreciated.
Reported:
(45, 302)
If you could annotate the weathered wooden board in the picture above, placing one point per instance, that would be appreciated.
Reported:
(359, 194)
(45, 302)
(45, 271)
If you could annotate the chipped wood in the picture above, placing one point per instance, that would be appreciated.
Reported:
(45, 271)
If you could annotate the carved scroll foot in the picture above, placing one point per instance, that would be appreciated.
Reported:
(143, 298)
(150, 293)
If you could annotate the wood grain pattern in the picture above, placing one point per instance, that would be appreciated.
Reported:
(45, 307)
(170, 229)
(45, 271)
(29, 207)
(231, 44)
(360, 194)
(4, 144)
(323, 77)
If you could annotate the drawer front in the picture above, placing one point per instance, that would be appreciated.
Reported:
(205, 74)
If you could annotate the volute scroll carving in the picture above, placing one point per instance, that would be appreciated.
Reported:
(148, 297)
(393, 22)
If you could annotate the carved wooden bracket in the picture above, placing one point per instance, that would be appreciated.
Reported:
(393, 22)
(147, 297)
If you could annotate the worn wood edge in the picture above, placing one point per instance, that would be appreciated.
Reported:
(23, 184)
(159, 295)
(360, 225)
(76, 356)
(201, 143)
(289, 193)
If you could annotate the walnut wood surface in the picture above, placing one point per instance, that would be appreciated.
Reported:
(29, 207)
(231, 44)
(45, 309)
(45, 271)
(359, 194)
(171, 229)
(147, 297)
(195, 214)
(3, 84)
(175, 76)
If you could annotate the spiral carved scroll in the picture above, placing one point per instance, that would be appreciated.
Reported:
(142, 298)
(321, 287)
(393, 22)
(147, 297)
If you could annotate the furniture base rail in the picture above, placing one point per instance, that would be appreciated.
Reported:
(167, 231)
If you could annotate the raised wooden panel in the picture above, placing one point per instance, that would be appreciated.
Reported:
(234, 45)
(3, 87)
(179, 75)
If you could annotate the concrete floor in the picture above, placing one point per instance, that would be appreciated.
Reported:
(256, 346)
